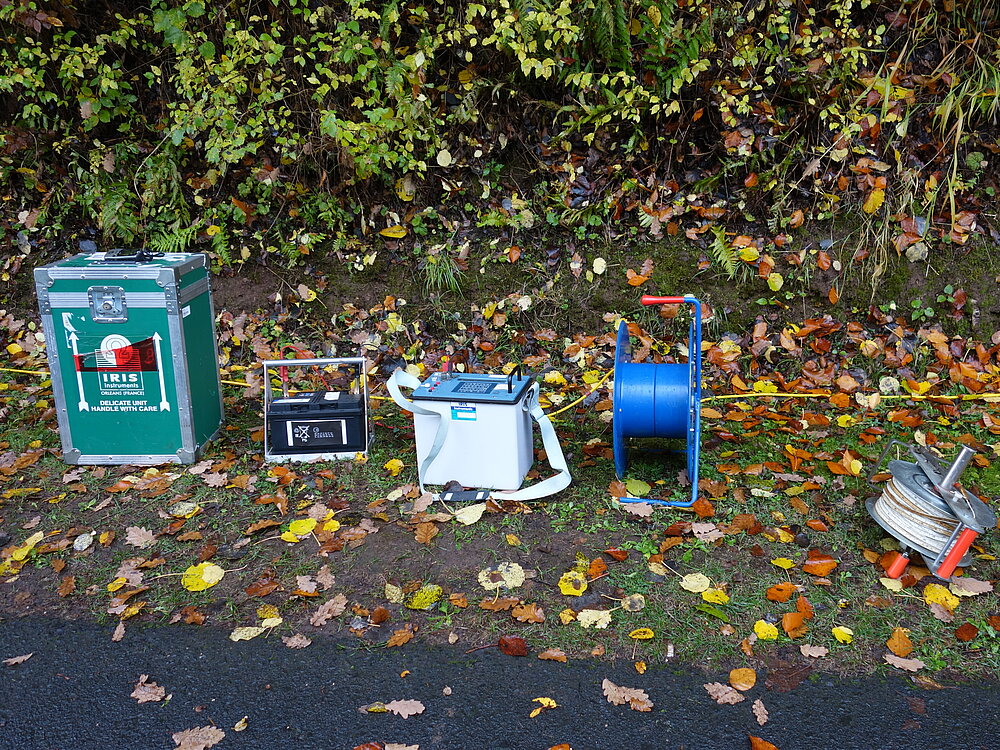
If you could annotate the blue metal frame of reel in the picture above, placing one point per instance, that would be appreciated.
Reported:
(661, 401)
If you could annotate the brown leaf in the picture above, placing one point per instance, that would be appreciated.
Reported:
(264, 585)
(703, 507)
(723, 694)
(616, 554)
(498, 605)
(15, 660)
(406, 708)
(512, 645)
(139, 537)
(67, 586)
(325, 578)
(910, 665)
(966, 632)
(199, 738)
(596, 568)
(899, 643)
(424, 532)
(267, 523)
(759, 712)
(296, 641)
(637, 699)
(148, 692)
(459, 600)
(328, 610)
(119, 632)
(528, 613)
(814, 652)
(400, 637)
(553, 654)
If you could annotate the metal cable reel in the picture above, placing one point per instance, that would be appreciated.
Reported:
(662, 401)
(925, 508)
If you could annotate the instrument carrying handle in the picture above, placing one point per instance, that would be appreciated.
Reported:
(510, 378)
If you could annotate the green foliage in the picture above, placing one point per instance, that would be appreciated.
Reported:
(150, 121)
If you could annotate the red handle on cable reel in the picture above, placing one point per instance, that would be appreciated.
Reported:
(957, 552)
(650, 300)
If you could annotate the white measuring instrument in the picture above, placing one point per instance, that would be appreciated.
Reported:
(476, 430)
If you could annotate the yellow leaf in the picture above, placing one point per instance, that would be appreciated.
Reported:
(695, 582)
(855, 468)
(289, 537)
(271, 622)
(654, 15)
(637, 488)
(513, 540)
(202, 576)
(765, 630)
(846, 420)
(935, 593)
(425, 597)
(567, 616)
(765, 386)
(572, 583)
(640, 667)
(396, 232)
(749, 254)
(775, 281)
(444, 158)
(641, 634)
(600, 266)
(245, 633)
(394, 466)
(302, 527)
(332, 525)
(554, 377)
(842, 634)
(404, 189)
(266, 611)
(874, 201)
(117, 584)
(715, 596)
(783, 562)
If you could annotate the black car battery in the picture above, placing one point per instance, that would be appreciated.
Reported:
(318, 422)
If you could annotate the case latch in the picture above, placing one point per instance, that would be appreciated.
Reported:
(107, 304)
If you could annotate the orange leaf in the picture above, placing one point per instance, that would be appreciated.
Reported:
(899, 643)
(782, 592)
(803, 606)
(424, 532)
(528, 613)
(597, 568)
(819, 563)
(614, 553)
(966, 632)
(796, 219)
(816, 525)
(703, 508)
(635, 279)
(833, 295)
(756, 743)
(794, 624)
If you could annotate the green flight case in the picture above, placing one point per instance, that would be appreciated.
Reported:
(130, 337)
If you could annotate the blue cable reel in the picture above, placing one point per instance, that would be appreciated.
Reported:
(661, 401)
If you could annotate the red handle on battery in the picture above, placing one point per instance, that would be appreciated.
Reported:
(957, 552)
(650, 300)
(898, 565)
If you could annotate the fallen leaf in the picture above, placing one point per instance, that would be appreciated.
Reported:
(723, 694)
(910, 665)
(425, 597)
(819, 563)
(528, 613)
(119, 632)
(425, 532)
(965, 633)
(400, 637)
(781, 592)
(502, 577)
(695, 582)
(470, 514)
(545, 704)
(148, 692)
(594, 618)
(15, 660)
(641, 634)
(328, 610)
(637, 699)
(842, 634)
(759, 712)
(899, 642)
(765, 630)
(202, 576)
(553, 654)
(756, 743)
(296, 641)
(935, 593)
(814, 652)
(743, 678)
(572, 583)
(715, 596)
(633, 603)
(966, 586)
(406, 708)
(512, 645)
(139, 537)
(245, 633)
(199, 738)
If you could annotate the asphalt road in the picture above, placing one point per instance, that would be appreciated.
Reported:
(73, 694)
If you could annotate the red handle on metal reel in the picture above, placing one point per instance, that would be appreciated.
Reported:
(648, 299)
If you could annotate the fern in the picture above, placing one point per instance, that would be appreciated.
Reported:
(724, 255)
(172, 239)
(119, 217)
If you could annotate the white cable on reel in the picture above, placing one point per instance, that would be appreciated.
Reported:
(914, 517)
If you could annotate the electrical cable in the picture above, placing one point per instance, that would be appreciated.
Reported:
(914, 518)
